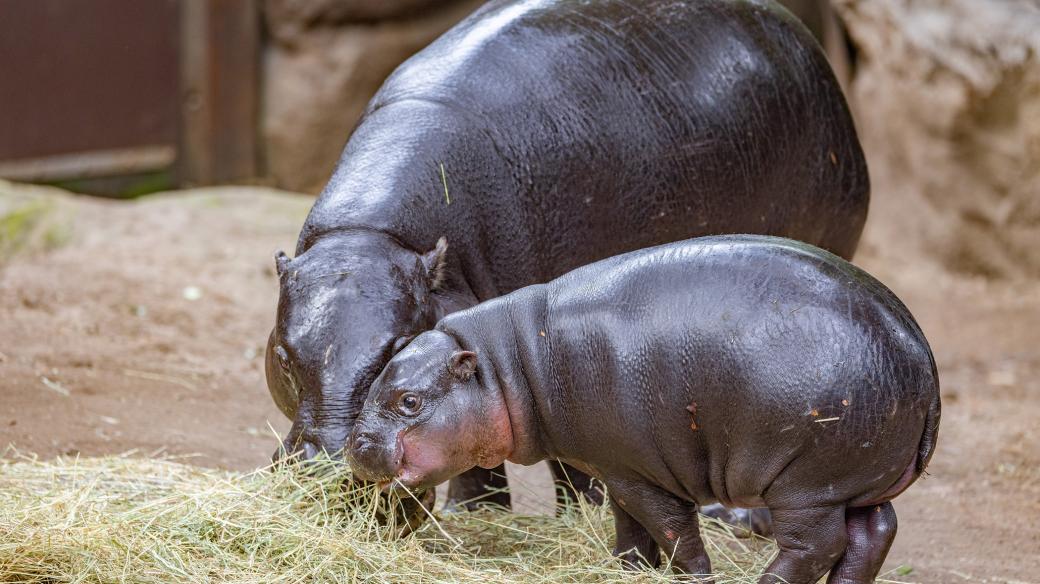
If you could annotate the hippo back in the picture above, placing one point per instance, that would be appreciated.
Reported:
(541, 135)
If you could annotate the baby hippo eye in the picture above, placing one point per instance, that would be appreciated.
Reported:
(409, 403)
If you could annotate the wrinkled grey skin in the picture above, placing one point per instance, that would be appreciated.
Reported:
(565, 132)
(748, 370)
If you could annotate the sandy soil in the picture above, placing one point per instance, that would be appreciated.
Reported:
(140, 326)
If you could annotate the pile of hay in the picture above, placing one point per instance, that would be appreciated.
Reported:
(124, 519)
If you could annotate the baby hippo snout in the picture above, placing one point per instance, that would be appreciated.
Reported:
(374, 456)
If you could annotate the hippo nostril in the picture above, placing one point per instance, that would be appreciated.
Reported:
(295, 451)
(308, 450)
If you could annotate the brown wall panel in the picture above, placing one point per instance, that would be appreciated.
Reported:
(82, 75)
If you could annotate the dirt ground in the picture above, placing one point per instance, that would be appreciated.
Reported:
(140, 327)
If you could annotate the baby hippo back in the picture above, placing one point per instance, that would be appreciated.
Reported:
(725, 367)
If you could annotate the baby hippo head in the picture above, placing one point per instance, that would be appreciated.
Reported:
(428, 418)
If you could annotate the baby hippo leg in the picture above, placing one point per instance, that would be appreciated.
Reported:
(670, 521)
(811, 542)
(635, 546)
(871, 531)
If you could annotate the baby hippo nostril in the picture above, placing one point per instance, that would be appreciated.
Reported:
(361, 439)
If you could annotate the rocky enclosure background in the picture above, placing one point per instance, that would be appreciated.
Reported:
(947, 100)
(323, 61)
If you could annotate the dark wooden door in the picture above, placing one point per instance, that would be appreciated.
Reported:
(100, 88)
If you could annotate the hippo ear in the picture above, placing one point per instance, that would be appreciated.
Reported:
(281, 263)
(434, 261)
(462, 365)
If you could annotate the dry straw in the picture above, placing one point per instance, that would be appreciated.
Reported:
(120, 519)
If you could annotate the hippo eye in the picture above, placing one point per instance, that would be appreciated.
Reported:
(409, 403)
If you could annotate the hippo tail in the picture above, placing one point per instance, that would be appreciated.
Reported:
(925, 450)
(930, 435)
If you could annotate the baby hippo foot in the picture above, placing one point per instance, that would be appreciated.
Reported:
(871, 532)
(811, 542)
(671, 523)
(745, 522)
(476, 488)
(412, 511)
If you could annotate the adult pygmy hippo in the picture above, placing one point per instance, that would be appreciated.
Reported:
(747, 370)
(541, 135)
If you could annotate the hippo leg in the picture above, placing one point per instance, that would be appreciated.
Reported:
(671, 521)
(477, 487)
(811, 542)
(635, 546)
(871, 532)
(746, 521)
(570, 482)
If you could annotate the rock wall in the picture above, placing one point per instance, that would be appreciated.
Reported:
(323, 61)
(947, 99)
(288, 18)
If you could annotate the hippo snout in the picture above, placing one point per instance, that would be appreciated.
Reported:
(374, 457)
(296, 450)
(305, 442)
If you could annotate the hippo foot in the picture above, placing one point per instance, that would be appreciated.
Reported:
(409, 511)
(746, 522)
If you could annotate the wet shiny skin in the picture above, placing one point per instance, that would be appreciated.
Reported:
(566, 133)
(746, 370)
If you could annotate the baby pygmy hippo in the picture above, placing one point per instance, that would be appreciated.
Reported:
(749, 370)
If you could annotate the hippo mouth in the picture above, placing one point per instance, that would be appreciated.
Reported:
(397, 481)
(406, 511)
(401, 483)
(393, 485)
(404, 478)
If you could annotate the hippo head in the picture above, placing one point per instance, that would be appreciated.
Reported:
(428, 418)
(347, 304)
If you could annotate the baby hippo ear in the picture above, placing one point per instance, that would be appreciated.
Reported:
(281, 262)
(462, 365)
(434, 261)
